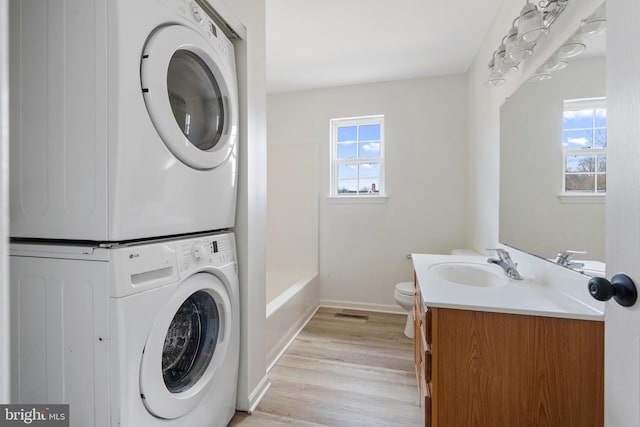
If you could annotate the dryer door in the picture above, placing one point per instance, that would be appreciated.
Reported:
(190, 92)
(186, 347)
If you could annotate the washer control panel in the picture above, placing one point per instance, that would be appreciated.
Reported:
(142, 266)
(213, 250)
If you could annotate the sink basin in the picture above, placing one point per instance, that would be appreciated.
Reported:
(470, 274)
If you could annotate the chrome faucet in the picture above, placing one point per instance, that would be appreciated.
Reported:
(564, 259)
(504, 260)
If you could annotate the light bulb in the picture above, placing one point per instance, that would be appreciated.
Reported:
(515, 52)
(530, 24)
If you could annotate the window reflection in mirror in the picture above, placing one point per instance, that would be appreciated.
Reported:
(553, 162)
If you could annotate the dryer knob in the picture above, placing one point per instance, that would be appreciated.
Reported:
(198, 253)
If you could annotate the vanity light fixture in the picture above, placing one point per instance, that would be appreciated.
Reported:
(533, 22)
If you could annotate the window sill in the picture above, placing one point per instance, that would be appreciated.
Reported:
(594, 199)
(357, 200)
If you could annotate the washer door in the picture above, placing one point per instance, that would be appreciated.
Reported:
(186, 347)
(191, 95)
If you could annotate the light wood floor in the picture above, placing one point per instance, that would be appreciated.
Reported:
(342, 371)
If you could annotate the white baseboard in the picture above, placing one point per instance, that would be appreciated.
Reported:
(257, 394)
(381, 308)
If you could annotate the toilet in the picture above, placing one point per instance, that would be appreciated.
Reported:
(403, 295)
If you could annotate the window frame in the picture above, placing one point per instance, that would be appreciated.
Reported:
(335, 163)
(596, 103)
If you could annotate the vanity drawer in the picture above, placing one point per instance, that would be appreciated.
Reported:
(427, 366)
(425, 370)
(425, 355)
(425, 394)
(427, 405)
(424, 342)
(417, 302)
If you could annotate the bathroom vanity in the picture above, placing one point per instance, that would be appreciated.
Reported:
(494, 351)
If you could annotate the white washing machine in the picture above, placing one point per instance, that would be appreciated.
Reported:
(124, 120)
(136, 335)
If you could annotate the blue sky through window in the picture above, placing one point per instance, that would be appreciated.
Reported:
(584, 141)
(368, 170)
(348, 134)
(357, 164)
(357, 142)
(369, 133)
(347, 171)
(584, 129)
(601, 117)
(347, 151)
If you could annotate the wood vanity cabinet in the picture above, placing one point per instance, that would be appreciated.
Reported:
(477, 368)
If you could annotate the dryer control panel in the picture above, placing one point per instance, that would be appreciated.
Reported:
(198, 16)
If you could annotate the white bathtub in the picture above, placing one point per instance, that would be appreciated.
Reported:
(292, 299)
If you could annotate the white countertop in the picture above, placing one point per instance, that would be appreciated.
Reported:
(529, 296)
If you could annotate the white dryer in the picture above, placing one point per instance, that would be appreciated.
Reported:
(124, 120)
(137, 335)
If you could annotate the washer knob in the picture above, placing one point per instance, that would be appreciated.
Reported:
(198, 252)
(195, 11)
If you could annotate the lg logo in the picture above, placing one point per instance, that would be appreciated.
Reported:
(132, 256)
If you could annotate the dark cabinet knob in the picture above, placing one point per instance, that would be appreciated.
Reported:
(621, 288)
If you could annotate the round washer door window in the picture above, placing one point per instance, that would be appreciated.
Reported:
(185, 347)
(190, 92)
(190, 342)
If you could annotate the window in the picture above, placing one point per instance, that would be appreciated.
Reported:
(584, 146)
(357, 156)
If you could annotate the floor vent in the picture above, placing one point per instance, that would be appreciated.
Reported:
(352, 316)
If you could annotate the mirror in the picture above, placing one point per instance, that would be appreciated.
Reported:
(547, 144)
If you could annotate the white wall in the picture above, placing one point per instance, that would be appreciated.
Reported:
(363, 246)
(4, 203)
(251, 208)
(531, 167)
(292, 204)
(484, 114)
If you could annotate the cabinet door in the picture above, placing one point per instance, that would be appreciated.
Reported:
(516, 370)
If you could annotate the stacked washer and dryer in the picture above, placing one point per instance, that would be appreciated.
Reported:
(124, 285)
